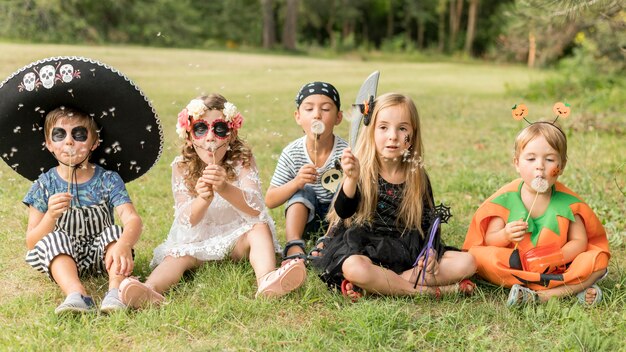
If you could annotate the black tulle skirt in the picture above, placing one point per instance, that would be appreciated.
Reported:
(392, 250)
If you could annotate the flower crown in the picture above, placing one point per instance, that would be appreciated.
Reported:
(196, 109)
(560, 109)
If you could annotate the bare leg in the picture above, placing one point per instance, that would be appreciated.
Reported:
(568, 290)
(114, 279)
(360, 271)
(170, 271)
(258, 245)
(65, 273)
(295, 223)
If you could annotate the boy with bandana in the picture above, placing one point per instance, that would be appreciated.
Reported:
(306, 176)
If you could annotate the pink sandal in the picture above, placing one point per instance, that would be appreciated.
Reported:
(135, 294)
(282, 280)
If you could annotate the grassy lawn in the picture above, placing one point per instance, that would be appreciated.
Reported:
(468, 136)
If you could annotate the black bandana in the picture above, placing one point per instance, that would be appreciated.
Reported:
(322, 88)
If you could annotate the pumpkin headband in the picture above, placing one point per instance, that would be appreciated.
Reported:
(560, 109)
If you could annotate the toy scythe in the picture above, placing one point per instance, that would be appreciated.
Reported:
(363, 106)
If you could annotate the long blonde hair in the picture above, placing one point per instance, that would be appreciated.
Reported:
(415, 182)
(238, 151)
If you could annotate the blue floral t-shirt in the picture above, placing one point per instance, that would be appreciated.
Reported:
(104, 187)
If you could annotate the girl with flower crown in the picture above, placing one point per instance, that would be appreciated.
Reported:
(219, 209)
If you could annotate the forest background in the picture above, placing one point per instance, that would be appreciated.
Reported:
(465, 62)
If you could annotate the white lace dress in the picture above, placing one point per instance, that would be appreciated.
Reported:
(217, 232)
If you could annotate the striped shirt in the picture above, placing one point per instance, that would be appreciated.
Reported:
(295, 155)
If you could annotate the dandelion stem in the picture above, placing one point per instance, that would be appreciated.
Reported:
(69, 174)
(529, 211)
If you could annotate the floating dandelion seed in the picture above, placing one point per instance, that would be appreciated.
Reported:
(107, 150)
(19, 106)
(71, 91)
(5, 155)
(112, 111)
(141, 143)
(149, 128)
(13, 151)
(37, 108)
(17, 129)
(14, 166)
(102, 161)
(93, 71)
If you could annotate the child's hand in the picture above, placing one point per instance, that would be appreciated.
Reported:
(350, 164)
(119, 259)
(58, 204)
(215, 176)
(306, 174)
(432, 266)
(515, 230)
(205, 190)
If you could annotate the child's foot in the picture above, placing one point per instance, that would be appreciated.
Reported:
(75, 303)
(590, 296)
(319, 247)
(520, 295)
(466, 287)
(137, 295)
(112, 302)
(351, 291)
(283, 280)
(294, 249)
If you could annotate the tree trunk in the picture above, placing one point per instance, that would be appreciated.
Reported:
(269, 31)
(471, 26)
(456, 12)
(289, 29)
(390, 23)
(441, 33)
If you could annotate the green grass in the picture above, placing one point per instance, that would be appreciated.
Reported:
(468, 136)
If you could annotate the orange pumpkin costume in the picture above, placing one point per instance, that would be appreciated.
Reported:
(502, 265)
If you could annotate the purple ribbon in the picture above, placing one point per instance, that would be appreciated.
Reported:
(426, 251)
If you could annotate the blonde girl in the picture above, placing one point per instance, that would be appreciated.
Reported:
(383, 211)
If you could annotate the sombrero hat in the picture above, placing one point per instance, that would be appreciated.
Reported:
(130, 131)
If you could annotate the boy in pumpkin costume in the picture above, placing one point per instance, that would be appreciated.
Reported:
(535, 235)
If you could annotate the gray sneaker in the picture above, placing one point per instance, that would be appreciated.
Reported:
(75, 303)
(111, 302)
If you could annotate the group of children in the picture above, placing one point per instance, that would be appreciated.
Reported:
(371, 205)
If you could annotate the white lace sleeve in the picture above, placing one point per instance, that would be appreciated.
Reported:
(250, 185)
(182, 196)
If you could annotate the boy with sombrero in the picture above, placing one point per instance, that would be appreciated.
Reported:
(79, 129)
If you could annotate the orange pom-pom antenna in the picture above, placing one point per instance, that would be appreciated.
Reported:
(561, 110)
(519, 111)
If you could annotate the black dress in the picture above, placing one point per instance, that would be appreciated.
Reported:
(381, 241)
